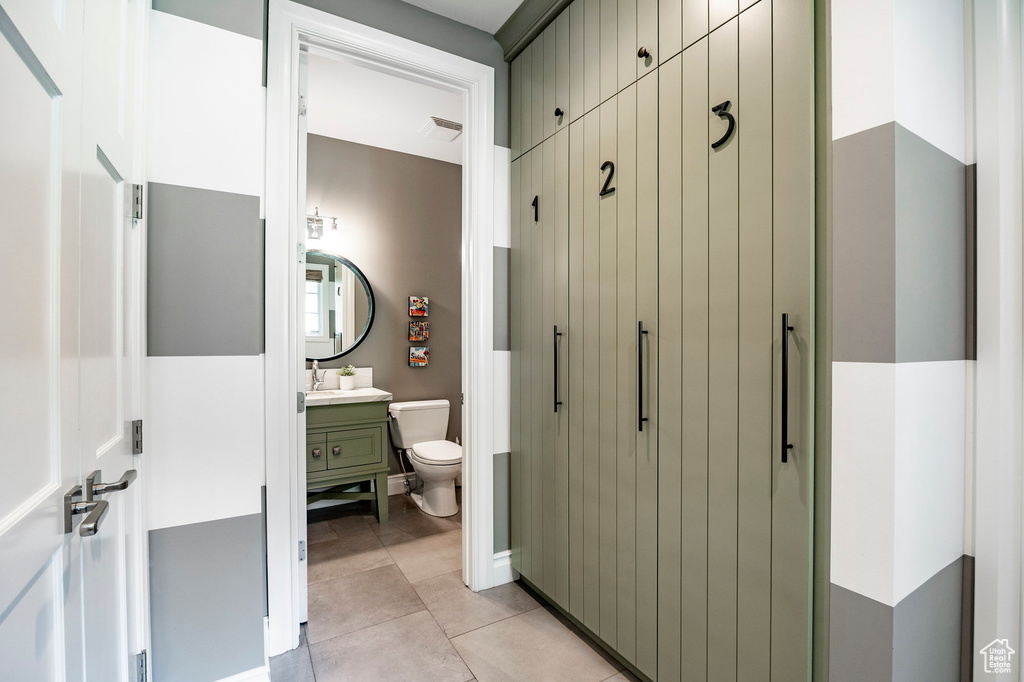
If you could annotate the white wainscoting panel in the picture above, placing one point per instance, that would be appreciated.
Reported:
(502, 196)
(502, 401)
(930, 72)
(206, 106)
(863, 58)
(203, 438)
(930, 416)
(863, 477)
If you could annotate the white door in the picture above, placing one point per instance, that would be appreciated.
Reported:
(300, 357)
(72, 606)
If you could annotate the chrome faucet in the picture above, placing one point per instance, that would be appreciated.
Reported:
(317, 383)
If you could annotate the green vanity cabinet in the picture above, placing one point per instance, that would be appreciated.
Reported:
(347, 444)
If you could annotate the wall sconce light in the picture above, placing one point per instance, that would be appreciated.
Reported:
(315, 224)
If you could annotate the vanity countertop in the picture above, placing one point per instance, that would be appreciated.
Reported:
(356, 395)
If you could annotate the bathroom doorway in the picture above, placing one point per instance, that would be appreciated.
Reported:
(302, 41)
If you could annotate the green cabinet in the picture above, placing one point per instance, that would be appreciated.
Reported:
(656, 241)
(347, 444)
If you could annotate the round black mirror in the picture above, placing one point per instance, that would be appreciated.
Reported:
(339, 306)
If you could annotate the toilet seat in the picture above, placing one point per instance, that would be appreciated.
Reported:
(437, 452)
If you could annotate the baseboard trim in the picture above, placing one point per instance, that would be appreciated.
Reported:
(396, 483)
(260, 674)
(503, 571)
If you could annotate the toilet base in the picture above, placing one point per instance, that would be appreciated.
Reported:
(437, 498)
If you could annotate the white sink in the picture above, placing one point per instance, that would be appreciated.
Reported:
(356, 395)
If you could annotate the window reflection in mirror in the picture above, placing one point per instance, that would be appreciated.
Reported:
(339, 307)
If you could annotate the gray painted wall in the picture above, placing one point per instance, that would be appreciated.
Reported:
(238, 16)
(404, 216)
(899, 287)
(919, 639)
(421, 26)
(502, 505)
(502, 318)
(204, 272)
(207, 617)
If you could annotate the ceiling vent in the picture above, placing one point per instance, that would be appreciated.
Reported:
(440, 129)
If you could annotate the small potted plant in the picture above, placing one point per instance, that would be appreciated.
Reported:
(347, 378)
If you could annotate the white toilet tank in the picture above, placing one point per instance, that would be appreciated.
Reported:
(418, 421)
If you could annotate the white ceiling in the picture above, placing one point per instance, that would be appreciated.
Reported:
(486, 15)
(349, 102)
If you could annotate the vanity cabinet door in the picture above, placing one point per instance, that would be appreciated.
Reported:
(354, 448)
(316, 452)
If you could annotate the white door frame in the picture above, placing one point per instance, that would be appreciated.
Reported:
(292, 28)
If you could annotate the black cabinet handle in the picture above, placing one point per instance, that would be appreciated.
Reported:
(559, 113)
(642, 53)
(558, 335)
(786, 445)
(640, 334)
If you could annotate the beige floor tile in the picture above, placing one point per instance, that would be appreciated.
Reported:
(337, 558)
(457, 609)
(408, 648)
(407, 522)
(427, 557)
(356, 601)
(624, 676)
(320, 532)
(531, 646)
(347, 526)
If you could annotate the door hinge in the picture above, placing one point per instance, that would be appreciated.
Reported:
(140, 666)
(302, 105)
(136, 202)
(137, 437)
(302, 550)
(301, 402)
(462, 398)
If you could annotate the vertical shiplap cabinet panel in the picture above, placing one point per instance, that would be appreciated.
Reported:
(744, 4)
(670, 367)
(562, 90)
(754, 506)
(526, 98)
(626, 37)
(516, 110)
(518, 207)
(538, 378)
(721, 11)
(537, 103)
(670, 29)
(544, 407)
(647, 36)
(647, 230)
(793, 256)
(591, 54)
(559, 516)
(592, 375)
(523, 331)
(573, 342)
(695, 21)
(693, 409)
(578, 66)
(550, 39)
(723, 287)
(607, 341)
(609, 50)
(624, 365)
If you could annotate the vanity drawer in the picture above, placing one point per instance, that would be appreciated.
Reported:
(316, 453)
(355, 447)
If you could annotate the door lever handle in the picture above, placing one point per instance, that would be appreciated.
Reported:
(94, 487)
(96, 510)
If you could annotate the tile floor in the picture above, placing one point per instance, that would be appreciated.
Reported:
(387, 602)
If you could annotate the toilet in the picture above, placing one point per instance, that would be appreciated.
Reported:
(418, 429)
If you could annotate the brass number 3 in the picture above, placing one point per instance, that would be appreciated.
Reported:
(722, 110)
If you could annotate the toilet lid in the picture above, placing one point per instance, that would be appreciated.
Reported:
(438, 452)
